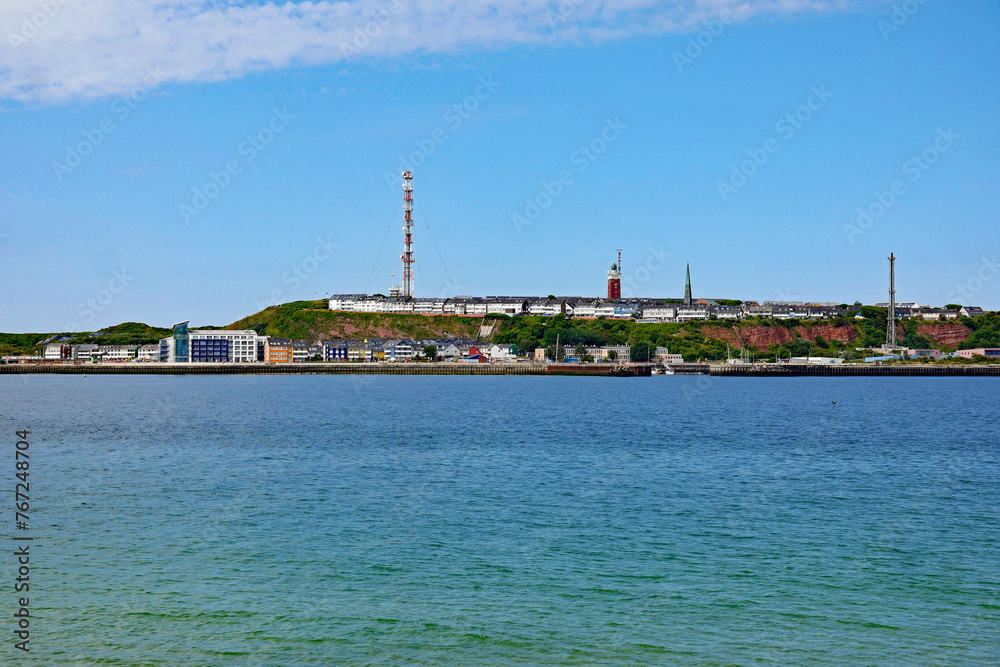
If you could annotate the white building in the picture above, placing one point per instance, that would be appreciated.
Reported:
(604, 309)
(57, 351)
(506, 306)
(497, 352)
(85, 352)
(729, 312)
(476, 306)
(664, 313)
(148, 353)
(347, 302)
(429, 306)
(397, 349)
(456, 306)
(935, 313)
(242, 343)
(370, 304)
(548, 307)
(585, 308)
(117, 353)
(663, 354)
(971, 311)
(214, 345)
(685, 313)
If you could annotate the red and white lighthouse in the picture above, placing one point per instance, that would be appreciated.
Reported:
(615, 279)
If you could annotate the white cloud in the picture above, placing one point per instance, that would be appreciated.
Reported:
(58, 50)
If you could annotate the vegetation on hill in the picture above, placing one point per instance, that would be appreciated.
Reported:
(765, 338)
(20, 343)
(311, 320)
(127, 333)
(985, 331)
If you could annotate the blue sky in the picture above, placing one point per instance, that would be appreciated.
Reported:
(165, 102)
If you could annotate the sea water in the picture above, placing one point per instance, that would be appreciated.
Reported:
(456, 520)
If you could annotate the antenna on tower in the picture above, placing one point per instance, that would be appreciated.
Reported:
(407, 255)
(890, 327)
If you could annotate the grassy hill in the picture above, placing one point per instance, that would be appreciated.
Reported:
(312, 320)
(127, 333)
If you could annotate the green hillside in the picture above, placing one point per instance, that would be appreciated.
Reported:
(767, 338)
(127, 333)
(311, 320)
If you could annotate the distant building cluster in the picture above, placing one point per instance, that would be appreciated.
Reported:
(246, 346)
(910, 309)
(100, 353)
(638, 309)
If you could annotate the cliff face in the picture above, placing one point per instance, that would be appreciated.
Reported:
(725, 334)
(762, 336)
(844, 333)
(948, 335)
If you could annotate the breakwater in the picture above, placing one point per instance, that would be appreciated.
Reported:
(847, 370)
(613, 370)
(606, 370)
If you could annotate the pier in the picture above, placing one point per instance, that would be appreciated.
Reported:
(847, 370)
(603, 370)
(336, 368)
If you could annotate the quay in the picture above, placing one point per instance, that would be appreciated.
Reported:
(605, 370)
(847, 370)
(334, 368)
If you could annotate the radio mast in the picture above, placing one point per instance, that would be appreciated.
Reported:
(890, 326)
(407, 255)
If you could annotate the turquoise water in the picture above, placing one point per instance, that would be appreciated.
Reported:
(418, 520)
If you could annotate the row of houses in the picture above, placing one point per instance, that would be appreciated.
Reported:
(403, 349)
(214, 346)
(100, 353)
(642, 310)
(909, 309)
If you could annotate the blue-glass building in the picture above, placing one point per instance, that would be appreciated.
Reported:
(216, 349)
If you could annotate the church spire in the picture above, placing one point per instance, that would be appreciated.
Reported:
(687, 287)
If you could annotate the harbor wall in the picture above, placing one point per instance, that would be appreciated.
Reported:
(329, 369)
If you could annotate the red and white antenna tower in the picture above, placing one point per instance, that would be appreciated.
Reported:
(407, 255)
